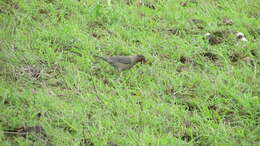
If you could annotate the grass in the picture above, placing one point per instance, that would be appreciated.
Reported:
(49, 77)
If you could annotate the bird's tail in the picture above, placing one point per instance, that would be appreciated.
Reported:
(99, 57)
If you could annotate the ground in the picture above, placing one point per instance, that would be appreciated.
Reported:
(194, 89)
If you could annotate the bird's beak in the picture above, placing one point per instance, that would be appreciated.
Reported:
(143, 61)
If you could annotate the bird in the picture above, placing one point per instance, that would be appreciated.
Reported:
(122, 63)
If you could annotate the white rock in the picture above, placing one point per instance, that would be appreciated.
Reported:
(240, 36)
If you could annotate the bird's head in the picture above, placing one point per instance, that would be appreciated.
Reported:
(140, 58)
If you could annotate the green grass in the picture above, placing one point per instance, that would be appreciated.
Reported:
(80, 100)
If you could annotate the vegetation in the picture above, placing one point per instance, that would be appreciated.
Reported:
(194, 89)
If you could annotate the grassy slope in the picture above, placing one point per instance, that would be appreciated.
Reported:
(77, 97)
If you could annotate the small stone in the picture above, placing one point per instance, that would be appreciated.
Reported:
(241, 37)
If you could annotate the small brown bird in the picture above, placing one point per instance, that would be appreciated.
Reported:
(122, 63)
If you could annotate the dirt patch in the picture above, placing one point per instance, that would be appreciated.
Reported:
(171, 91)
(96, 24)
(9, 7)
(186, 60)
(141, 3)
(137, 42)
(61, 45)
(106, 81)
(249, 61)
(170, 31)
(34, 72)
(212, 107)
(191, 107)
(5, 100)
(254, 53)
(211, 56)
(188, 2)
(181, 68)
(213, 40)
(226, 21)
(173, 31)
(129, 2)
(25, 131)
(149, 5)
(43, 11)
(184, 4)
(95, 35)
(186, 137)
(187, 123)
(235, 57)
(199, 23)
(86, 142)
(111, 144)
(217, 37)
(255, 32)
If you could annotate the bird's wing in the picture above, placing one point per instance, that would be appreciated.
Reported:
(121, 59)
(121, 66)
